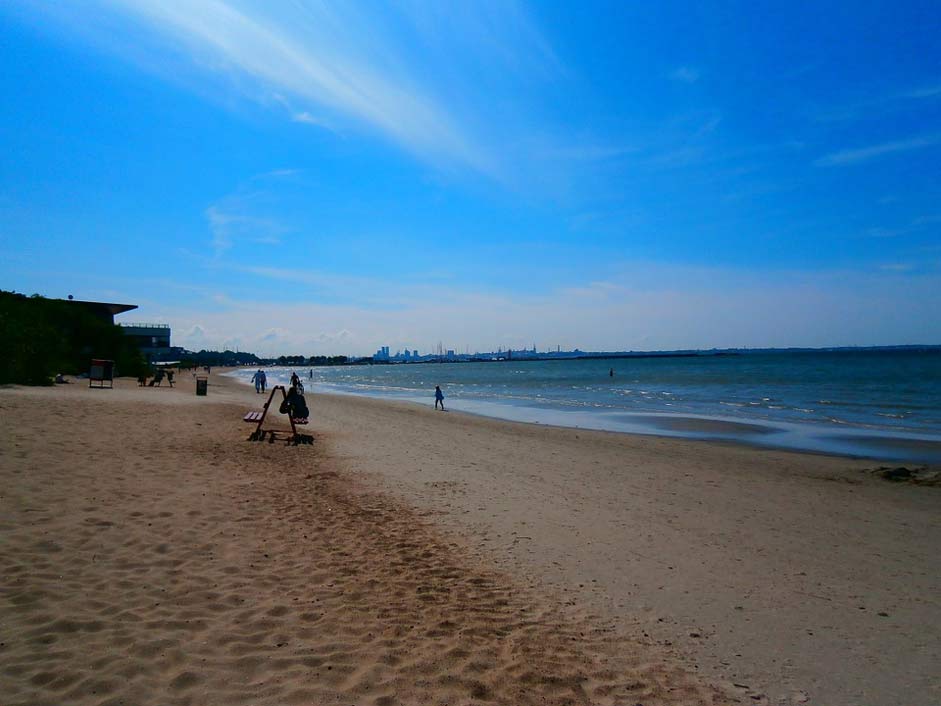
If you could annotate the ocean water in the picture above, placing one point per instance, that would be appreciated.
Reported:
(865, 403)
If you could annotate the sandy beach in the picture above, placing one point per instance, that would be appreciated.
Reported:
(152, 555)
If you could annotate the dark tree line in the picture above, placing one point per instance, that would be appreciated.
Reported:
(217, 359)
(312, 360)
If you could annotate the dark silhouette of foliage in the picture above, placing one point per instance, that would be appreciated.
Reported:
(40, 337)
(328, 360)
(218, 359)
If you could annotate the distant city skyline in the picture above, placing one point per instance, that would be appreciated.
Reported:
(327, 178)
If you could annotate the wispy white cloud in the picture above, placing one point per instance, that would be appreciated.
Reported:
(878, 105)
(371, 292)
(933, 91)
(307, 117)
(281, 173)
(577, 149)
(300, 55)
(855, 156)
(498, 34)
(327, 64)
(252, 213)
(686, 74)
(880, 232)
(228, 225)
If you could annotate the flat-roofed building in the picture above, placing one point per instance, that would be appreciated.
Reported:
(152, 339)
(103, 310)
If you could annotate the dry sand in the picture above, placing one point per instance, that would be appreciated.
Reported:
(151, 555)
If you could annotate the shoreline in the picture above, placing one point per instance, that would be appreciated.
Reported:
(837, 441)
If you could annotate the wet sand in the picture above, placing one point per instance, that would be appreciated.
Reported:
(698, 425)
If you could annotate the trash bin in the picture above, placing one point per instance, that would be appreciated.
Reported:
(202, 385)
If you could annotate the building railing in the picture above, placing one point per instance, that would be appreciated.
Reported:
(138, 325)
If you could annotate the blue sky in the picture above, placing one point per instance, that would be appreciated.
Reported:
(311, 177)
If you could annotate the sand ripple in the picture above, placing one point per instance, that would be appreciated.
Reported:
(168, 561)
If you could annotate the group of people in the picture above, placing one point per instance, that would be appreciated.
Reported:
(159, 375)
(260, 380)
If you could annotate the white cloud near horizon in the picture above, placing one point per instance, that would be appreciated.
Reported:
(649, 308)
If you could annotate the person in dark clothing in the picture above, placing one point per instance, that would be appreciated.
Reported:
(295, 405)
(439, 398)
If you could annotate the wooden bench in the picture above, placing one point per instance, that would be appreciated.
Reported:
(258, 419)
(254, 417)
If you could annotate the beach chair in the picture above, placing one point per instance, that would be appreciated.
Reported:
(258, 419)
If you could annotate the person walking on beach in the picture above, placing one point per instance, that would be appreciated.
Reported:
(310, 375)
(264, 380)
(256, 378)
(439, 398)
(294, 379)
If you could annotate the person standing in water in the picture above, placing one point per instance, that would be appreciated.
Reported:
(439, 398)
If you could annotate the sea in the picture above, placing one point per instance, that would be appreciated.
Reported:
(866, 403)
